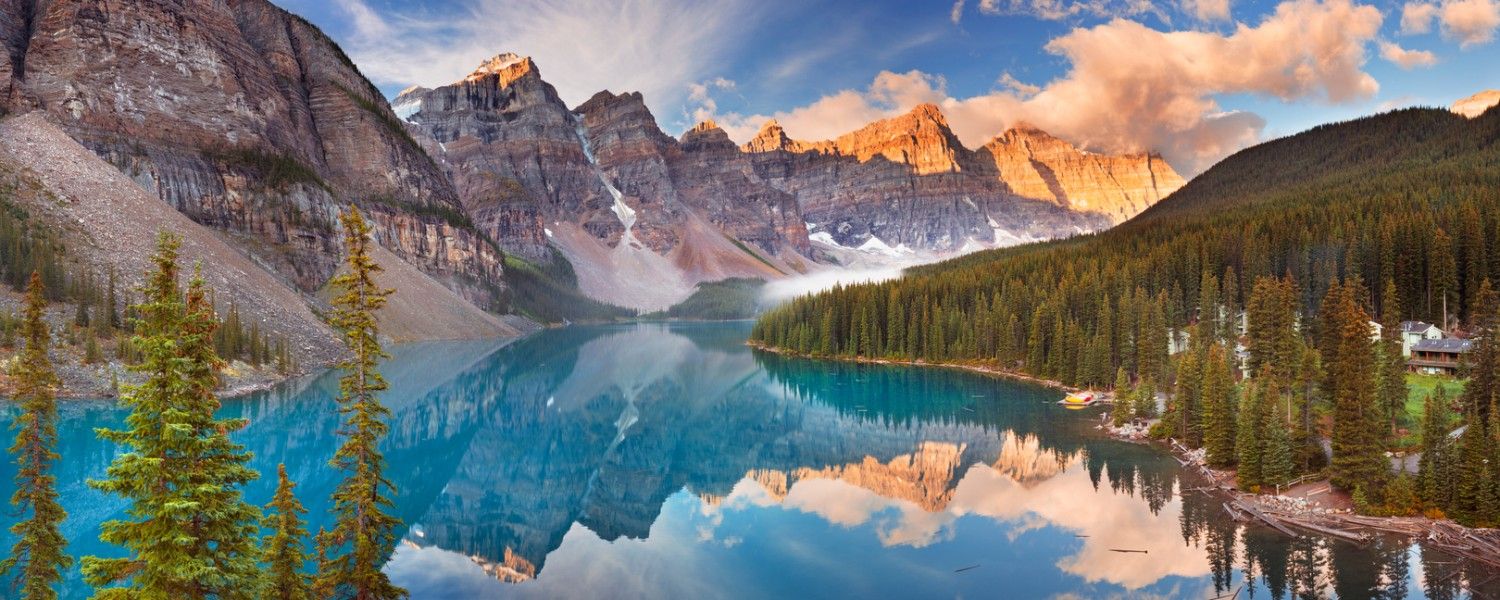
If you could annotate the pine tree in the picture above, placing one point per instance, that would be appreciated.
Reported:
(1392, 363)
(1218, 408)
(1277, 464)
(1350, 385)
(1432, 484)
(1188, 400)
(1248, 437)
(1123, 408)
(39, 552)
(1145, 400)
(283, 552)
(364, 532)
(189, 533)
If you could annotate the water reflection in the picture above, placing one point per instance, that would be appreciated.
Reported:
(657, 460)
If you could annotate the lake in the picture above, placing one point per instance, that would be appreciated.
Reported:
(664, 460)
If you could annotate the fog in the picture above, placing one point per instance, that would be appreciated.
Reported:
(781, 290)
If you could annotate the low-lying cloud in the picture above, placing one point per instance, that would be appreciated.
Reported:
(781, 290)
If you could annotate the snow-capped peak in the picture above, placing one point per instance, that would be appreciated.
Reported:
(495, 64)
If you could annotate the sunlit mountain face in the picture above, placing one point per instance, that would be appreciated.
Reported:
(653, 460)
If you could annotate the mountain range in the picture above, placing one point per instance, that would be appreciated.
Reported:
(255, 125)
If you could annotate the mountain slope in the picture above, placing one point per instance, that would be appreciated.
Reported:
(109, 222)
(644, 217)
(1406, 197)
(247, 119)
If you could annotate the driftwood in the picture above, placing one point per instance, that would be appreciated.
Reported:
(1265, 518)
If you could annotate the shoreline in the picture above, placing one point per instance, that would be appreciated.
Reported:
(972, 368)
(1476, 544)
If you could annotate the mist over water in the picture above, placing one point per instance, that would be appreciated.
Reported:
(777, 291)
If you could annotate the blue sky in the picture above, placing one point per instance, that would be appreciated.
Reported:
(1192, 79)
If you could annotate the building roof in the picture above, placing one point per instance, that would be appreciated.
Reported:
(1450, 345)
(1415, 326)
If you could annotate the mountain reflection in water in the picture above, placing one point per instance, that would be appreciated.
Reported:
(670, 460)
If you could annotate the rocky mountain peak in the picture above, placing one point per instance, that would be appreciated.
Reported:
(507, 67)
(1476, 105)
(705, 134)
(770, 139)
(920, 138)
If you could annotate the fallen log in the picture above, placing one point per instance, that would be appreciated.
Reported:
(1267, 519)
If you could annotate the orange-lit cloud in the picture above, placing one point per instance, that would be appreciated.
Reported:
(1468, 22)
(1406, 59)
(1132, 88)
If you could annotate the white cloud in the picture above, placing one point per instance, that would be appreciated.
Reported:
(1416, 17)
(1468, 22)
(581, 46)
(1009, 82)
(1132, 88)
(1207, 10)
(1057, 10)
(957, 13)
(1406, 59)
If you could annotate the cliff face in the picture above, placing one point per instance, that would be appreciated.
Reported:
(246, 118)
(908, 181)
(1036, 165)
(513, 152)
(641, 216)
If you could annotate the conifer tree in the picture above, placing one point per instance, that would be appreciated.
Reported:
(1123, 408)
(188, 532)
(38, 557)
(1277, 464)
(1145, 400)
(282, 549)
(1187, 401)
(1432, 482)
(1218, 408)
(1350, 385)
(364, 533)
(1248, 437)
(1392, 363)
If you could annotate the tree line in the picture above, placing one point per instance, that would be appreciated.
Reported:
(1284, 281)
(188, 531)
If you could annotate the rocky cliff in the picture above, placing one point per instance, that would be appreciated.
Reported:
(246, 118)
(641, 216)
(907, 183)
(1033, 164)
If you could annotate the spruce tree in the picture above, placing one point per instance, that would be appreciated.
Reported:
(282, 550)
(1123, 408)
(1145, 400)
(1187, 401)
(1276, 463)
(1392, 363)
(364, 533)
(188, 531)
(1248, 437)
(38, 557)
(1218, 408)
(1432, 484)
(1350, 385)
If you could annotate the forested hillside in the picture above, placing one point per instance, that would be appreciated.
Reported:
(1385, 218)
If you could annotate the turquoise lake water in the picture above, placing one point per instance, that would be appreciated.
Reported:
(655, 461)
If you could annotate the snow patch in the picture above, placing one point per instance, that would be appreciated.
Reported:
(878, 246)
(405, 110)
(622, 210)
(823, 237)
